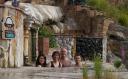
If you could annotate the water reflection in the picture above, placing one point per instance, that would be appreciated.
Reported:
(41, 73)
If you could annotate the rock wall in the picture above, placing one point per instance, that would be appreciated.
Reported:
(66, 42)
(118, 42)
(87, 20)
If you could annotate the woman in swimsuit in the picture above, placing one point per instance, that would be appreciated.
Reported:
(56, 60)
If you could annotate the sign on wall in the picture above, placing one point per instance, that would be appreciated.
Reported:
(8, 29)
(9, 34)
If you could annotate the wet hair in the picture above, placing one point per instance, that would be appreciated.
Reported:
(55, 53)
(38, 63)
(77, 54)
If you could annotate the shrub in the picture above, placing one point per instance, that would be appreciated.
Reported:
(98, 4)
(117, 63)
(98, 67)
(123, 19)
(119, 14)
(85, 72)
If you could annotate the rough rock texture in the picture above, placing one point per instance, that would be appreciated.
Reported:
(89, 21)
(84, 21)
(66, 42)
(118, 42)
(88, 47)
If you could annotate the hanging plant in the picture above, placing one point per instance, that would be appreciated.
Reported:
(46, 31)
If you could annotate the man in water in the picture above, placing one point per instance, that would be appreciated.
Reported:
(65, 61)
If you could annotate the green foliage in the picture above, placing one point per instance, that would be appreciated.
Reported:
(123, 19)
(46, 31)
(85, 72)
(117, 63)
(119, 14)
(98, 4)
(98, 67)
(99, 72)
(53, 42)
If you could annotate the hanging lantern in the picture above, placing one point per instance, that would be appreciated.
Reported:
(9, 22)
(9, 32)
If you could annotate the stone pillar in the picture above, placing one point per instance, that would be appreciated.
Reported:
(37, 52)
(27, 46)
(104, 53)
(11, 53)
(26, 42)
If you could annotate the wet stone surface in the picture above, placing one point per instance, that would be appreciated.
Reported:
(40, 73)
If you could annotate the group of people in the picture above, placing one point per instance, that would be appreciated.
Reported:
(59, 59)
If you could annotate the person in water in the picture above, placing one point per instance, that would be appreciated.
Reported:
(41, 61)
(64, 59)
(78, 62)
(56, 60)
